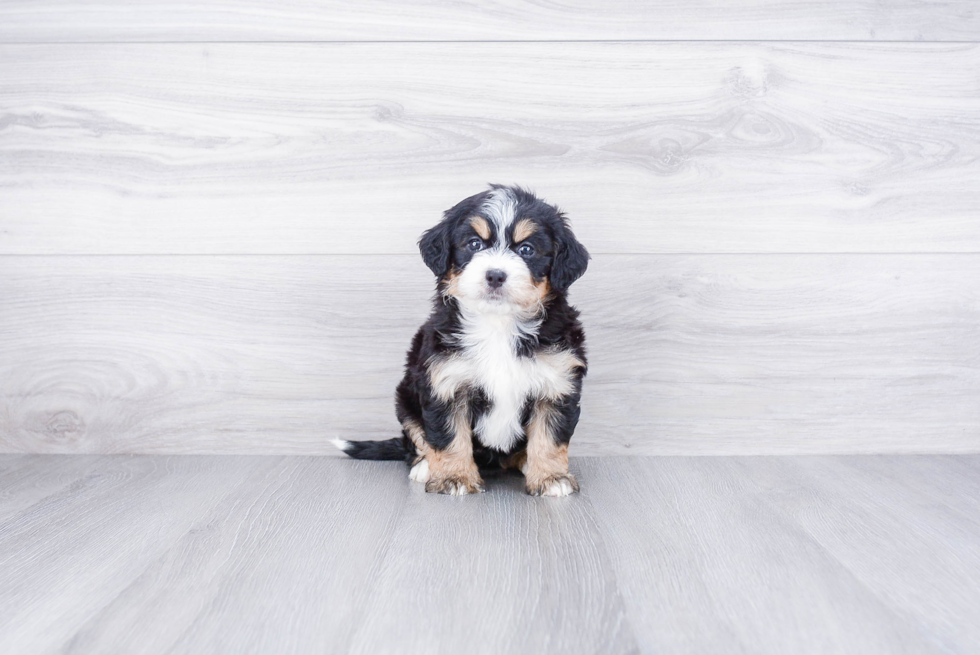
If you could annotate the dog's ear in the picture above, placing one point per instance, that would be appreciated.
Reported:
(436, 246)
(571, 259)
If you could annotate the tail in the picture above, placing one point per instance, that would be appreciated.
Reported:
(399, 449)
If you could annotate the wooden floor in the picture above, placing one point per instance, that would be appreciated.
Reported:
(238, 554)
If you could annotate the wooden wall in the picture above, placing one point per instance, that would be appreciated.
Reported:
(208, 215)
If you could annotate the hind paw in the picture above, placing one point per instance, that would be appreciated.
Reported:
(420, 472)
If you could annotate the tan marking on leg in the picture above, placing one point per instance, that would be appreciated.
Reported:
(481, 226)
(417, 435)
(452, 470)
(516, 461)
(420, 465)
(547, 461)
(523, 229)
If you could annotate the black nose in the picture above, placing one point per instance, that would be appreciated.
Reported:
(496, 278)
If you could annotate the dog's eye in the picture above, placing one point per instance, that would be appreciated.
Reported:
(526, 250)
(474, 244)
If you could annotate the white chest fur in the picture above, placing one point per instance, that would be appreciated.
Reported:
(488, 360)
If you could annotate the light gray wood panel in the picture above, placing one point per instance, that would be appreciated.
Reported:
(357, 148)
(286, 565)
(688, 354)
(23, 483)
(784, 354)
(196, 554)
(778, 555)
(64, 558)
(904, 530)
(205, 354)
(506, 20)
(499, 572)
(656, 555)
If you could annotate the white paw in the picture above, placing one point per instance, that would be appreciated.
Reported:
(455, 489)
(420, 472)
(558, 488)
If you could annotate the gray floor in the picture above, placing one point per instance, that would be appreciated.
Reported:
(234, 554)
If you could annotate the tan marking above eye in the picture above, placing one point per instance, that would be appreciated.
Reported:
(481, 226)
(523, 229)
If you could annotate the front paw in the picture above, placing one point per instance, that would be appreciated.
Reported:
(455, 485)
(561, 484)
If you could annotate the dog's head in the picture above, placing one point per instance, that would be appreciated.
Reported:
(503, 251)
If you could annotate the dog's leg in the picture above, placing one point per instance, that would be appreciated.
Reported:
(420, 465)
(516, 461)
(546, 471)
(451, 469)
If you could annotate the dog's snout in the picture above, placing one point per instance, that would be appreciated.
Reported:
(496, 278)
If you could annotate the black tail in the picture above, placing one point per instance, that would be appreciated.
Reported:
(399, 449)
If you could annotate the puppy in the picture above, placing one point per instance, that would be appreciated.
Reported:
(494, 377)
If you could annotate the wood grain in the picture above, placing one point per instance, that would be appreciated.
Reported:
(898, 559)
(74, 538)
(689, 354)
(500, 572)
(286, 565)
(778, 555)
(218, 554)
(356, 148)
(505, 20)
(195, 554)
(24, 483)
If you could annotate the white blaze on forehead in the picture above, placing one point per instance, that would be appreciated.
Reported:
(500, 208)
(520, 295)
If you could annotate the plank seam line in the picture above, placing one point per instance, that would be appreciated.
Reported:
(490, 41)
(403, 254)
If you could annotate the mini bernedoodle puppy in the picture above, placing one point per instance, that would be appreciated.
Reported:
(494, 377)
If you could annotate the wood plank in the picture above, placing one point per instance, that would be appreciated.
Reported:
(26, 480)
(656, 555)
(502, 570)
(357, 148)
(709, 560)
(507, 20)
(63, 559)
(285, 565)
(908, 528)
(689, 354)
(184, 554)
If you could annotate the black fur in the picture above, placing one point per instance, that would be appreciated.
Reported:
(413, 397)
(557, 257)
(398, 449)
